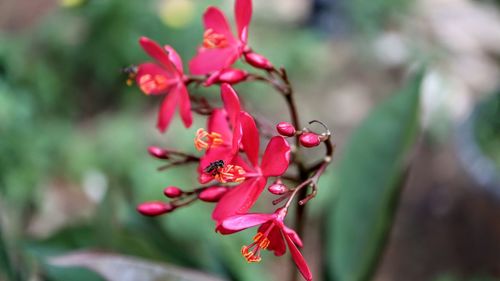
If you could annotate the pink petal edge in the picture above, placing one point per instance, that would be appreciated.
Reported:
(167, 110)
(156, 52)
(231, 102)
(239, 222)
(276, 157)
(243, 14)
(298, 259)
(250, 139)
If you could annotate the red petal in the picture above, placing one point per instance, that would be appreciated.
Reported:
(184, 105)
(294, 236)
(214, 19)
(174, 58)
(145, 79)
(166, 113)
(156, 52)
(218, 122)
(239, 222)
(298, 259)
(237, 160)
(239, 199)
(243, 12)
(250, 139)
(210, 60)
(237, 135)
(231, 102)
(276, 157)
(277, 244)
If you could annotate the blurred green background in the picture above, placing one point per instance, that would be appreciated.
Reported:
(413, 193)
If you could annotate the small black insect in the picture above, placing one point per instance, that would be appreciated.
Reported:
(131, 72)
(131, 69)
(213, 168)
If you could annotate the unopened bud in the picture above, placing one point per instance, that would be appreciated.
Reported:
(258, 61)
(309, 139)
(154, 208)
(277, 188)
(285, 129)
(158, 152)
(232, 76)
(172, 192)
(212, 78)
(212, 194)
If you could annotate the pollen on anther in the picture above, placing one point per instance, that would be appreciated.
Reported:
(230, 173)
(205, 140)
(149, 83)
(212, 40)
(250, 256)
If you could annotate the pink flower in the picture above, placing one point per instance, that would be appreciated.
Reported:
(274, 163)
(223, 135)
(271, 235)
(165, 76)
(220, 48)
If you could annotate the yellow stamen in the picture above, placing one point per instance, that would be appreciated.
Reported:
(205, 140)
(230, 173)
(212, 40)
(260, 242)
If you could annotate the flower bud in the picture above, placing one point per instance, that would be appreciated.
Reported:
(258, 61)
(172, 192)
(154, 208)
(309, 139)
(232, 76)
(277, 188)
(211, 79)
(285, 129)
(158, 152)
(213, 193)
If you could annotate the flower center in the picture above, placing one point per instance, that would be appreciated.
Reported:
(212, 40)
(252, 252)
(150, 83)
(205, 140)
(230, 173)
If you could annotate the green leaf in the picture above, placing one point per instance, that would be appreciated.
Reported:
(370, 176)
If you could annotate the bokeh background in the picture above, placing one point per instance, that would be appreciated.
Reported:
(73, 140)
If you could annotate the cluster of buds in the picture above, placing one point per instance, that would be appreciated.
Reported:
(307, 138)
(231, 170)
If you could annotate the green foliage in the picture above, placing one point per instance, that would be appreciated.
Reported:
(370, 176)
(487, 127)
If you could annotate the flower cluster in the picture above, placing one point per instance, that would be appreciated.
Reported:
(231, 170)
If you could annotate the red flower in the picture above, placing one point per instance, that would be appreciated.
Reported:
(165, 76)
(270, 236)
(220, 48)
(274, 163)
(223, 137)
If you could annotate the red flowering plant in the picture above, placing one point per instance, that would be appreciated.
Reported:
(231, 170)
